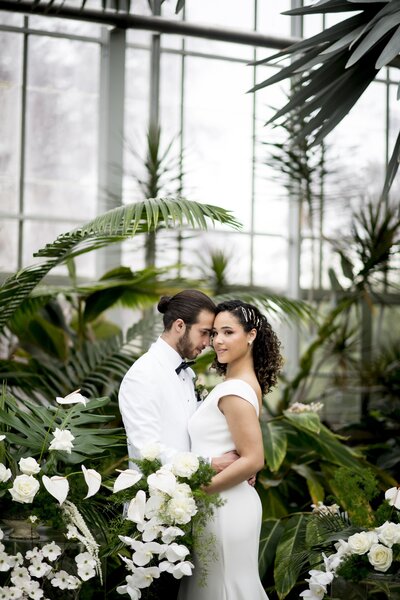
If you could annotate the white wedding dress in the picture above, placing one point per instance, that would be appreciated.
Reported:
(233, 573)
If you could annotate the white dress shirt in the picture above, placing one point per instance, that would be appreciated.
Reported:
(156, 403)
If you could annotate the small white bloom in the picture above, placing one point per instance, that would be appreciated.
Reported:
(181, 509)
(72, 532)
(29, 466)
(14, 593)
(389, 533)
(24, 489)
(62, 440)
(5, 474)
(182, 568)
(6, 561)
(85, 559)
(310, 595)
(32, 519)
(134, 593)
(57, 486)
(332, 561)
(185, 464)
(72, 398)
(33, 590)
(38, 568)
(136, 508)
(60, 580)
(154, 505)
(170, 533)
(93, 481)
(129, 563)
(151, 529)
(392, 495)
(143, 577)
(144, 552)
(360, 543)
(322, 509)
(380, 557)
(174, 552)
(51, 551)
(126, 479)
(163, 481)
(150, 451)
(320, 577)
(2, 437)
(86, 572)
(35, 553)
(20, 576)
(73, 582)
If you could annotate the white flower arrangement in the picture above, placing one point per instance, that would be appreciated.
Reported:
(165, 502)
(24, 572)
(363, 555)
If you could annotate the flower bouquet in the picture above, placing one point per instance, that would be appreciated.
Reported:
(40, 448)
(166, 511)
(355, 557)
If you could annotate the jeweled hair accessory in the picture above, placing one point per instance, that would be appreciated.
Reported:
(250, 316)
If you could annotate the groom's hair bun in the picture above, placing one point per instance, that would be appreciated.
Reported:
(185, 305)
(162, 306)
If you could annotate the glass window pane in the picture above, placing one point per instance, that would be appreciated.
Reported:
(9, 18)
(198, 247)
(10, 102)
(36, 234)
(270, 262)
(218, 134)
(62, 126)
(8, 245)
(73, 27)
(270, 19)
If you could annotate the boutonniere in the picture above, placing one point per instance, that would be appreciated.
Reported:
(200, 390)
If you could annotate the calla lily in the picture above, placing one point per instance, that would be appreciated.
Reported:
(136, 508)
(164, 481)
(73, 398)
(392, 495)
(126, 479)
(56, 486)
(93, 481)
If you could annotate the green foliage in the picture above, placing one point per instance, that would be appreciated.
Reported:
(355, 492)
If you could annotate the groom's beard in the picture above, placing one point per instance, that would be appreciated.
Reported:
(185, 346)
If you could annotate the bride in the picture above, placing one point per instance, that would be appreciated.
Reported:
(247, 353)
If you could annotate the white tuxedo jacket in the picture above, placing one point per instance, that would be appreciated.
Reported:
(156, 403)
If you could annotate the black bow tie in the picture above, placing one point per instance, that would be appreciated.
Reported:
(184, 365)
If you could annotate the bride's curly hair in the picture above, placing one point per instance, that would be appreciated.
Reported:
(266, 346)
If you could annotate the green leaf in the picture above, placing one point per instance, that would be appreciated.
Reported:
(289, 557)
(275, 444)
(315, 488)
(271, 532)
(306, 421)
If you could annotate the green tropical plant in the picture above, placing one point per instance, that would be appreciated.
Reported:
(332, 69)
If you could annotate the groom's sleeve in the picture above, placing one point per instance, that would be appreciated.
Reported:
(139, 403)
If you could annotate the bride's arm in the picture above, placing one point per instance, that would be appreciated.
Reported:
(245, 429)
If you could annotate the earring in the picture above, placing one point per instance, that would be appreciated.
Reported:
(249, 342)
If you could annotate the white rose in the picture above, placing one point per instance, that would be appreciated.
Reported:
(380, 557)
(360, 543)
(389, 533)
(5, 474)
(150, 451)
(29, 466)
(181, 509)
(185, 464)
(62, 440)
(24, 489)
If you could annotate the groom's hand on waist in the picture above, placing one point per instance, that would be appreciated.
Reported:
(219, 463)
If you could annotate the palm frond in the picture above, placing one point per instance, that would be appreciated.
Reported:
(335, 67)
(114, 226)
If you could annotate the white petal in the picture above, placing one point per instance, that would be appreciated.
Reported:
(73, 398)
(392, 495)
(93, 481)
(136, 508)
(126, 479)
(165, 481)
(2, 437)
(57, 487)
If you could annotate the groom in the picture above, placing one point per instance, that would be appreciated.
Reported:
(157, 395)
